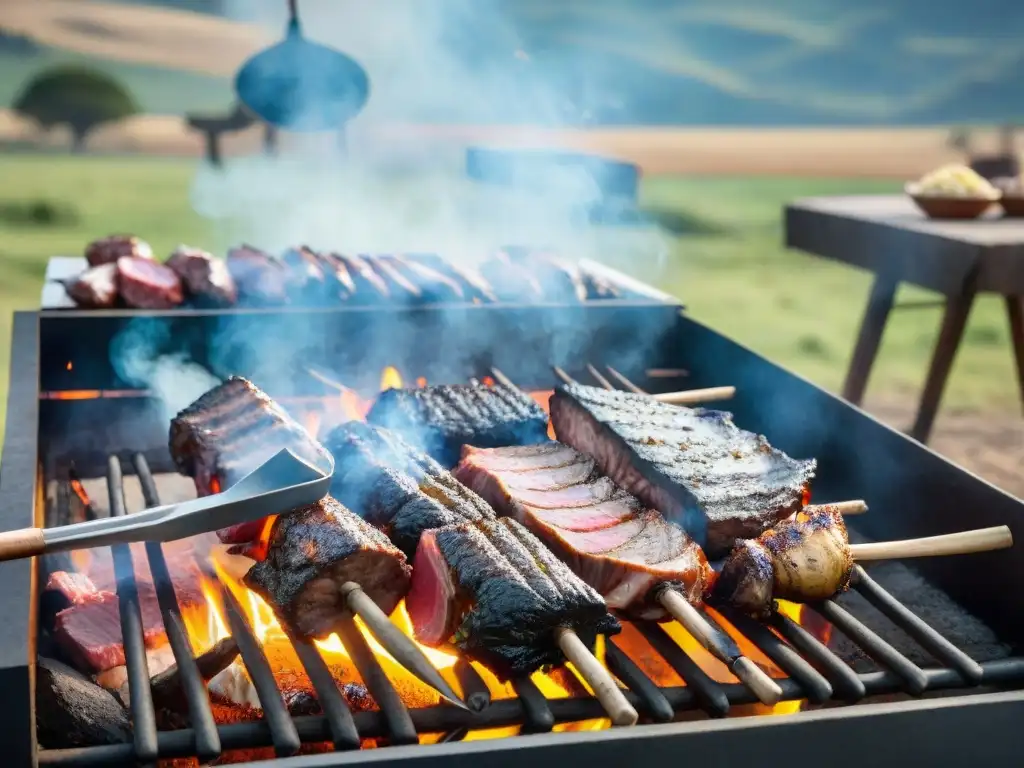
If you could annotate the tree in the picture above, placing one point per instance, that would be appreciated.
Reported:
(78, 97)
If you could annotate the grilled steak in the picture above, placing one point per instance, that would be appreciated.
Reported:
(472, 285)
(306, 279)
(230, 431)
(401, 289)
(560, 282)
(487, 585)
(370, 287)
(603, 534)
(441, 419)
(261, 279)
(498, 595)
(95, 288)
(312, 552)
(396, 488)
(340, 286)
(693, 465)
(206, 279)
(107, 250)
(510, 281)
(434, 287)
(145, 284)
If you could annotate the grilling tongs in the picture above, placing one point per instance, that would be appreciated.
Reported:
(282, 482)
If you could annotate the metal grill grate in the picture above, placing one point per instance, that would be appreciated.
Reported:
(815, 674)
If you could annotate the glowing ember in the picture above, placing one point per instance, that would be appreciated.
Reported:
(421, 382)
(69, 366)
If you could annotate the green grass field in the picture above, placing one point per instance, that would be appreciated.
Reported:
(795, 309)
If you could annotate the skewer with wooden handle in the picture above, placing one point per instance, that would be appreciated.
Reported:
(963, 543)
(607, 691)
(686, 397)
(714, 640)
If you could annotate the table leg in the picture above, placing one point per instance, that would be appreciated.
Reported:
(883, 294)
(1015, 314)
(954, 320)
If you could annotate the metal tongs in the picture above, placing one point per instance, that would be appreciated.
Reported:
(283, 482)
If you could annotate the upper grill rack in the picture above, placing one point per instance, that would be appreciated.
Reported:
(814, 672)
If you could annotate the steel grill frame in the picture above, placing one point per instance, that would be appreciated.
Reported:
(811, 666)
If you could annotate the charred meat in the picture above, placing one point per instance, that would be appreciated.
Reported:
(96, 288)
(107, 250)
(206, 279)
(370, 287)
(627, 553)
(312, 552)
(498, 595)
(395, 487)
(487, 585)
(802, 559)
(227, 433)
(693, 465)
(434, 287)
(146, 284)
(441, 419)
(471, 284)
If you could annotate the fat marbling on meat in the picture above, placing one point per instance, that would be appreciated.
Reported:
(695, 466)
(626, 552)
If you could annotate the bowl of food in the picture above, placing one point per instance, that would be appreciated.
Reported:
(953, 192)
(1012, 195)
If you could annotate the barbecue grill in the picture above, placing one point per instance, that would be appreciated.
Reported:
(880, 685)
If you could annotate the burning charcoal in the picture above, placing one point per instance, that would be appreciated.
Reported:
(96, 288)
(694, 466)
(206, 279)
(498, 595)
(371, 288)
(230, 431)
(107, 250)
(312, 552)
(260, 279)
(168, 692)
(72, 711)
(301, 703)
(233, 685)
(472, 285)
(441, 419)
(602, 533)
(433, 287)
(145, 284)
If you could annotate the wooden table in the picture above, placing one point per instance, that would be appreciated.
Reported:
(888, 235)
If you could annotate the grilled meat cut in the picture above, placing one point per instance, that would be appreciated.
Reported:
(107, 250)
(693, 465)
(441, 419)
(498, 595)
(227, 433)
(472, 285)
(626, 552)
(802, 559)
(433, 286)
(312, 552)
(206, 279)
(370, 287)
(95, 288)
(146, 284)
(487, 585)
(261, 279)
(306, 280)
(395, 487)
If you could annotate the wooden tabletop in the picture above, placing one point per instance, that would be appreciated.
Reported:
(889, 234)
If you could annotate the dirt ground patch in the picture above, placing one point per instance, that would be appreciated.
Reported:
(990, 445)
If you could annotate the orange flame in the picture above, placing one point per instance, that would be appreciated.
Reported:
(390, 379)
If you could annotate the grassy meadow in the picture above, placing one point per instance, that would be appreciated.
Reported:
(731, 270)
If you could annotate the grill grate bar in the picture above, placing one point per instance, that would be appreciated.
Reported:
(654, 703)
(501, 714)
(399, 724)
(943, 650)
(132, 635)
(815, 685)
(475, 692)
(846, 685)
(536, 708)
(339, 717)
(914, 678)
(283, 735)
(207, 743)
(711, 696)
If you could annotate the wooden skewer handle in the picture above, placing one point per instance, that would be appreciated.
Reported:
(25, 542)
(846, 508)
(695, 396)
(619, 710)
(981, 540)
